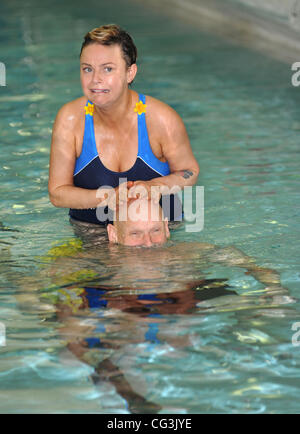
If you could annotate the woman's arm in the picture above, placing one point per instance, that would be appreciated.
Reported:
(62, 191)
(167, 129)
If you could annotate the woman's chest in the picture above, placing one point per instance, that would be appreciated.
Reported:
(118, 147)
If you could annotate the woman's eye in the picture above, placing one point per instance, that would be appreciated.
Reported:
(87, 69)
(108, 68)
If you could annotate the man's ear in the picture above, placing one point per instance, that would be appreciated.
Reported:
(166, 221)
(112, 233)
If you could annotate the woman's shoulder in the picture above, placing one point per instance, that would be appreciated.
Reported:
(161, 113)
(71, 114)
(74, 107)
(159, 108)
(157, 104)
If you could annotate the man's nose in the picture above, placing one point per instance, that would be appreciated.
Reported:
(147, 242)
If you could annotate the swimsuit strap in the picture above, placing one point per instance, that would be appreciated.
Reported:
(144, 150)
(89, 149)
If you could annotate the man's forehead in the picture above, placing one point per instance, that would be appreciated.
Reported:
(140, 210)
(141, 225)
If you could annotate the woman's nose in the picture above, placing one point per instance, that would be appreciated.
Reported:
(97, 77)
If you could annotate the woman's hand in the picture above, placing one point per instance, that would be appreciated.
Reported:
(114, 197)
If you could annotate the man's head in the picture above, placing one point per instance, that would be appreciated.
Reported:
(139, 222)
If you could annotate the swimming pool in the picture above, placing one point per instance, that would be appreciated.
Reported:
(153, 350)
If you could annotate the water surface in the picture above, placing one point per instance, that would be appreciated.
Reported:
(159, 345)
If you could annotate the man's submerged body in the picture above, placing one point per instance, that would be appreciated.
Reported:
(138, 296)
(113, 297)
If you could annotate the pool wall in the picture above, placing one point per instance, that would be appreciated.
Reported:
(271, 26)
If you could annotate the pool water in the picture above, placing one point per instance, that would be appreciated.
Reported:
(73, 343)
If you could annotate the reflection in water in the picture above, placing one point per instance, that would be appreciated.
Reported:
(4, 228)
(110, 301)
(143, 315)
(238, 117)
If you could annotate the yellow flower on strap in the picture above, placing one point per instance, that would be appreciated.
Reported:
(140, 107)
(89, 109)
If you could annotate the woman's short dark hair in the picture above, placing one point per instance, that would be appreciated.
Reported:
(110, 34)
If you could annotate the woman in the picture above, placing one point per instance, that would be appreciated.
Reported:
(103, 137)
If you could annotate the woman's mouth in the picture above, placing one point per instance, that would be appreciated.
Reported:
(99, 90)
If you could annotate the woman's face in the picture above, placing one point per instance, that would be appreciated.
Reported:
(104, 74)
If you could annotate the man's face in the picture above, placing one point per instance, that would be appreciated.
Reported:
(142, 231)
(143, 234)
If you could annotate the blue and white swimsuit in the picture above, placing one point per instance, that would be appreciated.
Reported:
(90, 172)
